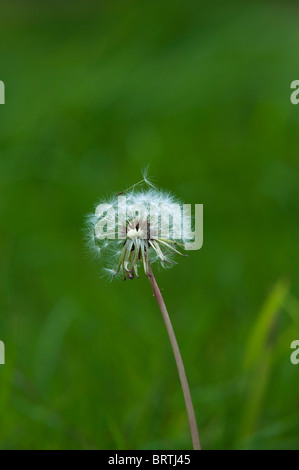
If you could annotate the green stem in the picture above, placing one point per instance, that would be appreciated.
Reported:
(179, 361)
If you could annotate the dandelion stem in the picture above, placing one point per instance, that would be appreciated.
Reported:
(179, 361)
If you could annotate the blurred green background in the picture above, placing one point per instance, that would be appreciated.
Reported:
(200, 91)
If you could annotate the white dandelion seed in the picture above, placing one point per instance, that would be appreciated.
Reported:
(150, 231)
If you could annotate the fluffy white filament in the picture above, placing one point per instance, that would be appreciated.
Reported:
(151, 230)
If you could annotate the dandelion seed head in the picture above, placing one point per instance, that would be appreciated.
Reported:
(147, 233)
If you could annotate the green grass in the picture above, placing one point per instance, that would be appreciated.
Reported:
(201, 92)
